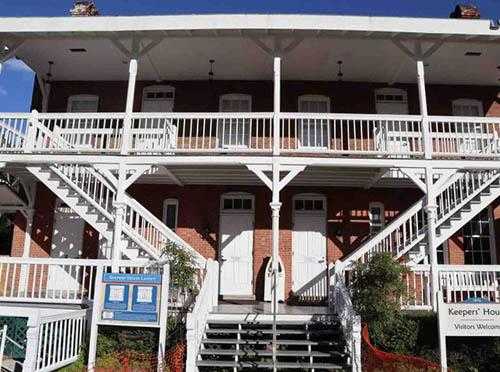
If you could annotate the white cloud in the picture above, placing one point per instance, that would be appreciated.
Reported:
(14, 64)
(3, 92)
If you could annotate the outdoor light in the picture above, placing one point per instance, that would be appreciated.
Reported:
(340, 74)
(77, 50)
(211, 72)
(473, 54)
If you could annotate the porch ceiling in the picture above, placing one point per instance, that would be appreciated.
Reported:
(311, 176)
(364, 44)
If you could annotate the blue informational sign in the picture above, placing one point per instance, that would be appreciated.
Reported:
(131, 297)
(116, 297)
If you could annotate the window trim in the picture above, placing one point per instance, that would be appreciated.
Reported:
(158, 88)
(467, 102)
(315, 98)
(491, 233)
(391, 91)
(310, 196)
(166, 203)
(237, 195)
(235, 96)
(381, 206)
(82, 97)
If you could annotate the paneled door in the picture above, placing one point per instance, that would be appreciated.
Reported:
(309, 263)
(236, 247)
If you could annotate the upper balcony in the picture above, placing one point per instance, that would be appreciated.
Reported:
(277, 59)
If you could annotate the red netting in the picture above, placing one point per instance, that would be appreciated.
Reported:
(131, 361)
(375, 360)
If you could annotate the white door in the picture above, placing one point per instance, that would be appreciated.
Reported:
(236, 247)
(157, 133)
(309, 264)
(67, 240)
(313, 133)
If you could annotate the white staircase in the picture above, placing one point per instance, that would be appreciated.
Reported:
(92, 197)
(459, 200)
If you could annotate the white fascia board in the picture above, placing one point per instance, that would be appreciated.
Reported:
(104, 24)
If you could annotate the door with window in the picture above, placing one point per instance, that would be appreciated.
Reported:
(394, 136)
(313, 133)
(158, 133)
(78, 130)
(67, 242)
(473, 138)
(236, 245)
(234, 132)
(309, 263)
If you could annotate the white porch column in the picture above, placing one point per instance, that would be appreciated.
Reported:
(129, 106)
(422, 98)
(32, 335)
(119, 216)
(277, 105)
(431, 208)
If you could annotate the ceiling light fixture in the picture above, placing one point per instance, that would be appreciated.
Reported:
(340, 74)
(211, 72)
(77, 50)
(473, 54)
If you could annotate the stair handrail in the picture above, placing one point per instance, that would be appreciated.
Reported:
(196, 320)
(162, 228)
(349, 319)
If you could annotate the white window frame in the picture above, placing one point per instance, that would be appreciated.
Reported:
(467, 102)
(321, 133)
(237, 195)
(166, 203)
(380, 206)
(226, 140)
(313, 197)
(391, 92)
(491, 228)
(155, 89)
(82, 97)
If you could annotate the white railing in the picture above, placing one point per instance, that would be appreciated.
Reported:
(141, 226)
(349, 319)
(465, 136)
(201, 132)
(13, 129)
(166, 133)
(389, 135)
(60, 339)
(197, 320)
(418, 294)
(462, 282)
(408, 229)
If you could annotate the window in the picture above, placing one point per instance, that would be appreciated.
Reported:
(478, 238)
(376, 215)
(391, 101)
(467, 107)
(158, 98)
(237, 202)
(313, 133)
(83, 103)
(234, 132)
(309, 203)
(170, 211)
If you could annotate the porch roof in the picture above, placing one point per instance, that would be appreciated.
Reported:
(186, 43)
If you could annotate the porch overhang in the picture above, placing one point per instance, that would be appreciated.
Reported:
(186, 43)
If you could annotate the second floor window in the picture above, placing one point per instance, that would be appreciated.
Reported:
(376, 214)
(234, 132)
(467, 107)
(170, 213)
(83, 103)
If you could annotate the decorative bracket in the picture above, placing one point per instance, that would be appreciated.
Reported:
(293, 171)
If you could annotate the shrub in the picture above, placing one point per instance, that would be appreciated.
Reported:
(397, 334)
(182, 269)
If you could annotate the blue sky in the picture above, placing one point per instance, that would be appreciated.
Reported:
(16, 80)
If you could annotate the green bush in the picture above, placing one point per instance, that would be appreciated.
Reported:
(182, 268)
(397, 334)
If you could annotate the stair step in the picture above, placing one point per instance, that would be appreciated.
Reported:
(267, 365)
(289, 353)
(229, 341)
(255, 331)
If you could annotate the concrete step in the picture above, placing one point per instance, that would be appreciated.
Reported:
(268, 365)
(233, 341)
(267, 353)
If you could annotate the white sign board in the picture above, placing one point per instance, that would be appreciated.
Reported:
(466, 319)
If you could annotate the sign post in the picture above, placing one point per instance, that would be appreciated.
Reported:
(130, 300)
(476, 317)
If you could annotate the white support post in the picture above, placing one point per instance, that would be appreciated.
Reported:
(422, 98)
(94, 328)
(165, 285)
(31, 132)
(277, 106)
(431, 209)
(119, 216)
(32, 336)
(356, 344)
(129, 107)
